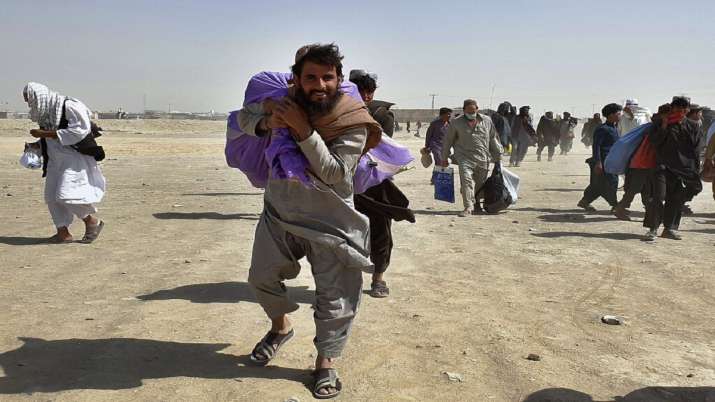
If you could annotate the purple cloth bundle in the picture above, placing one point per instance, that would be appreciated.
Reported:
(279, 157)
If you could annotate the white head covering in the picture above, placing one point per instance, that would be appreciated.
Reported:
(45, 105)
(631, 102)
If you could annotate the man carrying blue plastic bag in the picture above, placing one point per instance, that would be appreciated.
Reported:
(474, 139)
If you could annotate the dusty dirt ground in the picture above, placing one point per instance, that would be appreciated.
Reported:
(158, 309)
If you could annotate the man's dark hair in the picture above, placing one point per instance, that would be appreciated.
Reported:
(680, 101)
(364, 82)
(468, 102)
(610, 109)
(444, 110)
(325, 55)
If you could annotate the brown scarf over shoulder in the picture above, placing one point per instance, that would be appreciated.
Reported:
(347, 114)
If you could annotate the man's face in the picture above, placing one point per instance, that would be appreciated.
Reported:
(367, 95)
(470, 109)
(549, 115)
(614, 117)
(628, 111)
(678, 109)
(697, 116)
(318, 86)
(597, 116)
(445, 117)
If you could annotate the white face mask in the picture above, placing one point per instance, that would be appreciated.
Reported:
(471, 116)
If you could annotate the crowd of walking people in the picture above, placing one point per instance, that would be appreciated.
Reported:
(343, 232)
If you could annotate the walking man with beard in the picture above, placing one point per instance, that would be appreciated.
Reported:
(317, 221)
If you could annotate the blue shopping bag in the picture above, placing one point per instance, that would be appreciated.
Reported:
(443, 184)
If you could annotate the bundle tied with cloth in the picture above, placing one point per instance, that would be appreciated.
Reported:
(278, 156)
(47, 109)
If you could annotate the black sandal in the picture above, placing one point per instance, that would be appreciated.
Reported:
(268, 347)
(326, 378)
(379, 290)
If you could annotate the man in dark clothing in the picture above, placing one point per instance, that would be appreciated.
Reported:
(566, 127)
(589, 128)
(547, 134)
(639, 175)
(695, 114)
(436, 132)
(602, 184)
(382, 203)
(676, 140)
(522, 136)
(502, 124)
(379, 110)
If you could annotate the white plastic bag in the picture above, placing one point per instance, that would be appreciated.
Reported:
(511, 182)
(31, 159)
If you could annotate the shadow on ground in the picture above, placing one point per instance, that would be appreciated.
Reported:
(23, 241)
(611, 236)
(435, 213)
(224, 292)
(204, 215)
(221, 194)
(561, 190)
(648, 394)
(119, 363)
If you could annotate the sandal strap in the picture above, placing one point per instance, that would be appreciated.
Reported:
(325, 378)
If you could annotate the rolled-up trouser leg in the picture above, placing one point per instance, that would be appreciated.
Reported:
(466, 183)
(337, 298)
(275, 259)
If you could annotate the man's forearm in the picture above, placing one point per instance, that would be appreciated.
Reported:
(38, 133)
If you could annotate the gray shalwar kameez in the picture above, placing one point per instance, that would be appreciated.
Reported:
(320, 223)
(472, 148)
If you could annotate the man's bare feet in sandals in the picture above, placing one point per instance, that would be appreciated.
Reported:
(267, 348)
(93, 227)
(62, 236)
(327, 384)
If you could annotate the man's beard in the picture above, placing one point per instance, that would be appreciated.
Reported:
(316, 108)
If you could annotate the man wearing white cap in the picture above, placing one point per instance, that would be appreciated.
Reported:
(632, 117)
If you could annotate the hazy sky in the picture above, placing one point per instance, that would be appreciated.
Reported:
(198, 55)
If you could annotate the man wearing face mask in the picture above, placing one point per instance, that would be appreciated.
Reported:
(474, 139)
(677, 176)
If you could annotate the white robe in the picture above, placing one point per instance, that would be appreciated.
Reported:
(72, 178)
(640, 116)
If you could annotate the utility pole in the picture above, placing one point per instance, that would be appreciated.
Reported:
(491, 97)
(433, 96)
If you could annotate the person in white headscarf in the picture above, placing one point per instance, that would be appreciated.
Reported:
(633, 116)
(74, 182)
